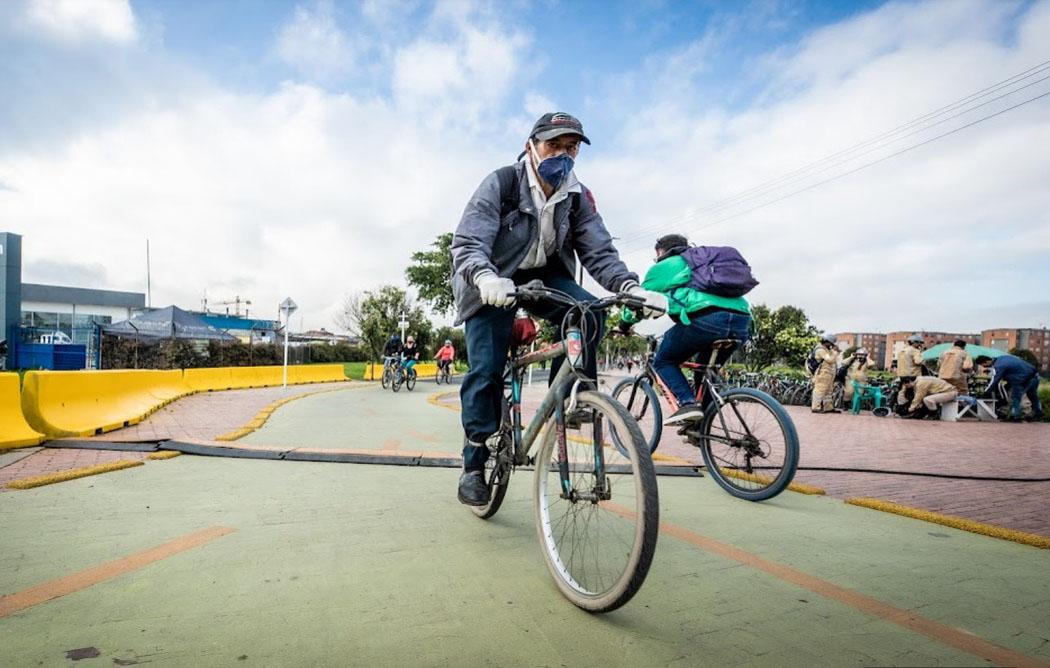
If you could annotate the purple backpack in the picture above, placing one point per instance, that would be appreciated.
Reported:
(719, 270)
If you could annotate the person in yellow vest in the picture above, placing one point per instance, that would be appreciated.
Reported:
(858, 364)
(909, 359)
(955, 365)
(826, 356)
(930, 393)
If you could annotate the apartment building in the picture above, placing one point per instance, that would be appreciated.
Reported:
(874, 342)
(897, 340)
(1036, 340)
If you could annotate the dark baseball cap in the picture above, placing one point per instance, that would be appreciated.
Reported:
(556, 124)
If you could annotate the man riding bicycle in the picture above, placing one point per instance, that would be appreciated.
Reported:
(393, 346)
(525, 222)
(445, 355)
(700, 319)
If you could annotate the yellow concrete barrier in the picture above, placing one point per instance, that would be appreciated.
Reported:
(207, 380)
(316, 373)
(423, 370)
(82, 403)
(15, 432)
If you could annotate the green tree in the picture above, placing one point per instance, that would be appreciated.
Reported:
(431, 274)
(784, 336)
(373, 316)
(1026, 355)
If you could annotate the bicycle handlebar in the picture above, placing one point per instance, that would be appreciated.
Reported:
(536, 290)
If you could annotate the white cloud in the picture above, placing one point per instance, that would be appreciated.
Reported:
(82, 20)
(311, 194)
(916, 242)
(313, 43)
(455, 80)
(299, 193)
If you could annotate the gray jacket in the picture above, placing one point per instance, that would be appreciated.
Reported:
(485, 241)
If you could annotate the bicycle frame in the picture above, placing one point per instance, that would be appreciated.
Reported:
(564, 383)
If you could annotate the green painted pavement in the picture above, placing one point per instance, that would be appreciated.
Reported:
(369, 565)
(368, 418)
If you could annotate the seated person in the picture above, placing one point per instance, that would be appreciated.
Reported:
(446, 354)
(410, 353)
(1021, 378)
(930, 393)
(857, 366)
(700, 320)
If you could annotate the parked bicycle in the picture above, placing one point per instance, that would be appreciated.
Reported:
(596, 507)
(747, 440)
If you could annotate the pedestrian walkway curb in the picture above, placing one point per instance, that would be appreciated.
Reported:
(71, 474)
(166, 454)
(262, 416)
(960, 523)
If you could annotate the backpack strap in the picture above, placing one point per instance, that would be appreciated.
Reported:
(508, 189)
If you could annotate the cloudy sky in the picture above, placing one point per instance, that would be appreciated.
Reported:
(278, 148)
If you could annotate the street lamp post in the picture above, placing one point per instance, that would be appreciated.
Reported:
(288, 307)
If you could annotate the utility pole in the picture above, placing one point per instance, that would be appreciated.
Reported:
(288, 307)
(149, 292)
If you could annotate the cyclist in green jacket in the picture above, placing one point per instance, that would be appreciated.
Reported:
(700, 319)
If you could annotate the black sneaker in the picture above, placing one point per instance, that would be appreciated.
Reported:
(687, 413)
(472, 488)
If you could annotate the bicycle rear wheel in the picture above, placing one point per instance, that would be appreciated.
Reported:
(644, 406)
(598, 535)
(395, 384)
(750, 445)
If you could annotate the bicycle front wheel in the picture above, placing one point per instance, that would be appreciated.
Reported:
(395, 384)
(641, 401)
(387, 378)
(410, 380)
(749, 446)
(598, 527)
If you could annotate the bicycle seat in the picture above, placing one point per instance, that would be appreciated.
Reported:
(722, 344)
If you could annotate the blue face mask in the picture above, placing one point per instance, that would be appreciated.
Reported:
(554, 170)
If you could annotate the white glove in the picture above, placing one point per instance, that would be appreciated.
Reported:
(495, 291)
(655, 302)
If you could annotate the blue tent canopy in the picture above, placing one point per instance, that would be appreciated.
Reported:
(167, 323)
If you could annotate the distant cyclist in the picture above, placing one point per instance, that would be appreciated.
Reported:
(409, 353)
(393, 346)
(700, 318)
(446, 354)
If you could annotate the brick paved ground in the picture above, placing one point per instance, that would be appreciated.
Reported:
(199, 417)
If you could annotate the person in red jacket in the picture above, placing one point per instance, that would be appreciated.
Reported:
(446, 355)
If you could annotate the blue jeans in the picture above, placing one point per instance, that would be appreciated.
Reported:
(1029, 388)
(408, 363)
(694, 340)
(488, 339)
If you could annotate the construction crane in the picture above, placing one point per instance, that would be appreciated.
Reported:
(236, 303)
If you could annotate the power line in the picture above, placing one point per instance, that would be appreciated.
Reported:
(872, 163)
(840, 157)
(984, 92)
